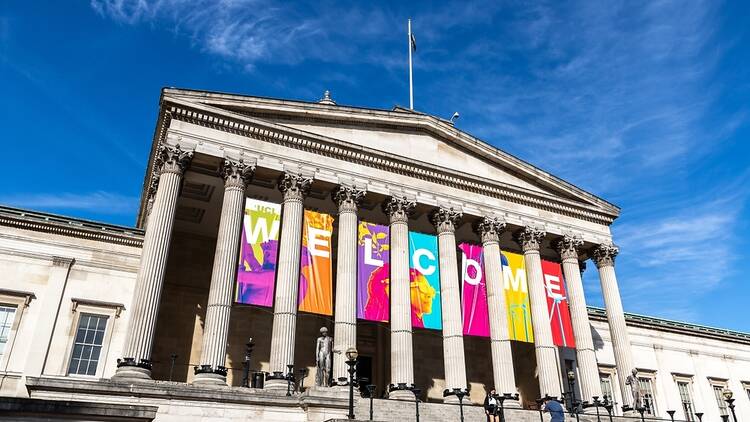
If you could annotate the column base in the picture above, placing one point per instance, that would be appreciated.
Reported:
(591, 410)
(277, 385)
(128, 369)
(512, 404)
(209, 378)
(401, 391)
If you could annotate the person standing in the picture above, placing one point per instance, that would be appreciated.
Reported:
(490, 407)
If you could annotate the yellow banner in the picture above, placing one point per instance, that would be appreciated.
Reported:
(517, 297)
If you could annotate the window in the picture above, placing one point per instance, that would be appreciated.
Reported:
(88, 344)
(647, 389)
(719, 394)
(7, 315)
(686, 398)
(606, 382)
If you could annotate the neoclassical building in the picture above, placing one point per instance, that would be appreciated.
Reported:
(152, 321)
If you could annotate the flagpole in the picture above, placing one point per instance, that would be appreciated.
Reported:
(411, 83)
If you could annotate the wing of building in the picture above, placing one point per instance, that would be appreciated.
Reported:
(285, 248)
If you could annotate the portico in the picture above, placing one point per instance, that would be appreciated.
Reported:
(397, 168)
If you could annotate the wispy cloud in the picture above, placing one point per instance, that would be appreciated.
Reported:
(104, 203)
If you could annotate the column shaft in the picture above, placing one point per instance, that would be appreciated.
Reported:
(345, 317)
(546, 352)
(402, 356)
(294, 187)
(588, 370)
(446, 221)
(502, 358)
(604, 257)
(212, 369)
(136, 362)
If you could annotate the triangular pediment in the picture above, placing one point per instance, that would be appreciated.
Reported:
(401, 134)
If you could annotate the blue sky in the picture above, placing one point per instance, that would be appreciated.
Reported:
(644, 104)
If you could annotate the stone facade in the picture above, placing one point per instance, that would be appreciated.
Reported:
(172, 339)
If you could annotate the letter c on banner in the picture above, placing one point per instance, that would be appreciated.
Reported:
(472, 263)
(418, 254)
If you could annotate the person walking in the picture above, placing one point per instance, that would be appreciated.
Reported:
(555, 409)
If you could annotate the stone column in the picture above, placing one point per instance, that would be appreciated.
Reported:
(402, 356)
(136, 362)
(490, 228)
(530, 239)
(446, 220)
(588, 370)
(345, 316)
(212, 369)
(294, 187)
(604, 258)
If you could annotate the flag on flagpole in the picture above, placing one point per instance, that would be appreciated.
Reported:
(413, 43)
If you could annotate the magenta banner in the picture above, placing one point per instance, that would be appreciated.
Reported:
(474, 298)
(373, 272)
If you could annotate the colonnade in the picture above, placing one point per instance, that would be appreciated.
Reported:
(171, 164)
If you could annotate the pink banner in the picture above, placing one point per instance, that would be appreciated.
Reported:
(474, 300)
(373, 272)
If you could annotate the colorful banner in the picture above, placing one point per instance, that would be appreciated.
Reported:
(373, 272)
(474, 297)
(316, 268)
(557, 304)
(517, 297)
(256, 271)
(424, 274)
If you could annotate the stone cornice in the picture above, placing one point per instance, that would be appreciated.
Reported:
(238, 124)
(66, 226)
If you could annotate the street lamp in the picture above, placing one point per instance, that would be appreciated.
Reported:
(594, 403)
(371, 393)
(671, 414)
(728, 398)
(351, 361)
(501, 399)
(289, 379)
(416, 392)
(302, 375)
(571, 388)
(609, 406)
(246, 363)
(700, 416)
(460, 394)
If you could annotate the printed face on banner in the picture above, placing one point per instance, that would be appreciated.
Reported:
(373, 272)
(517, 297)
(474, 303)
(424, 275)
(557, 304)
(256, 271)
(316, 269)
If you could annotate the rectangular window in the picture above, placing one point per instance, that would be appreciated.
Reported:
(606, 382)
(686, 398)
(647, 389)
(719, 394)
(7, 314)
(88, 344)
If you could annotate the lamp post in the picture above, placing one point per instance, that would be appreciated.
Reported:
(594, 403)
(608, 406)
(730, 401)
(539, 403)
(370, 393)
(289, 379)
(501, 399)
(641, 410)
(724, 418)
(246, 363)
(671, 414)
(302, 375)
(351, 361)
(173, 356)
(460, 394)
(571, 389)
(700, 416)
(416, 392)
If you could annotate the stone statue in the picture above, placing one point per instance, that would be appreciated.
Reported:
(323, 348)
(635, 388)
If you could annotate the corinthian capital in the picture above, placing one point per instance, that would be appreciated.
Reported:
(489, 228)
(294, 186)
(347, 198)
(398, 209)
(530, 238)
(567, 246)
(445, 219)
(604, 255)
(237, 174)
(172, 159)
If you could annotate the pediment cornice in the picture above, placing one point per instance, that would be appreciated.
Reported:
(190, 111)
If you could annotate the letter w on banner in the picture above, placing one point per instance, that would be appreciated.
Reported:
(316, 268)
(557, 304)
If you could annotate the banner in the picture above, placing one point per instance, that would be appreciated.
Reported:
(517, 297)
(316, 268)
(373, 272)
(474, 291)
(557, 304)
(256, 271)
(424, 275)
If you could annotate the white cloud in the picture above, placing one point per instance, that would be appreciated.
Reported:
(98, 202)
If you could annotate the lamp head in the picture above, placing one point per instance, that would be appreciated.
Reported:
(727, 393)
(351, 353)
